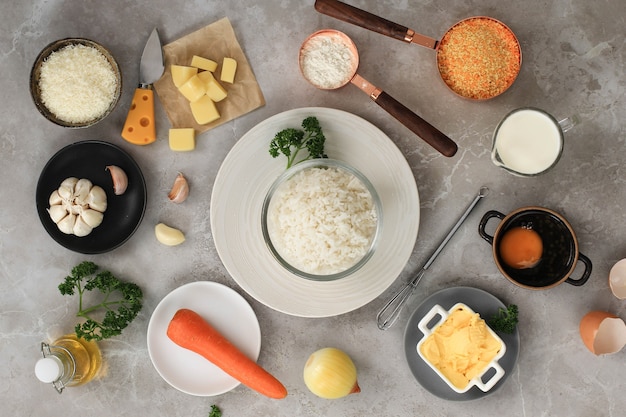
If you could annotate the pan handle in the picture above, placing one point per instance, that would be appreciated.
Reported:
(417, 125)
(367, 20)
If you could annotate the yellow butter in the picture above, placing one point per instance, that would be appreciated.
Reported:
(229, 68)
(461, 347)
(193, 88)
(181, 74)
(215, 90)
(204, 110)
(182, 139)
(203, 63)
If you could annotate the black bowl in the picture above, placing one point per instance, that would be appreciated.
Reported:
(88, 159)
(560, 248)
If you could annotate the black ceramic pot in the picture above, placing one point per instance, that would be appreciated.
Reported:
(560, 248)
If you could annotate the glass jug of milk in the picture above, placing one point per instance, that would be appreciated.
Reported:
(529, 141)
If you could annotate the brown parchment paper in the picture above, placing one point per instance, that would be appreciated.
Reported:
(214, 42)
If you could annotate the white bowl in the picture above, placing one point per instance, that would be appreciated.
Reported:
(493, 377)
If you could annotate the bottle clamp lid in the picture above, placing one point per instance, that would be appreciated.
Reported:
(48, 369)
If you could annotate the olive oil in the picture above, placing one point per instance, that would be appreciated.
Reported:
(69, 361)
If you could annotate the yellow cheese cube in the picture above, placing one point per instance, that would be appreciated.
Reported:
(229, 67)
(206, 77)
(182, 139)
(204, 110)
(203, 63)
(193, 89)
(181, 74)
(215, 91)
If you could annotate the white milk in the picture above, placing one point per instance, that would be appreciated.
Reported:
(528, 142)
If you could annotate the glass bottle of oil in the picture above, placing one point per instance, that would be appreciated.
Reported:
(68, 361)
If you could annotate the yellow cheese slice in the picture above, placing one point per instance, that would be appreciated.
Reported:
(203, 63)
(229, 67)
(181, 74)
(193, 89)
(182, 139)
(204, 110)
(215, 91)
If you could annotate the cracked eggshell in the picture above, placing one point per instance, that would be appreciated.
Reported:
(617, 279)
(603, 332)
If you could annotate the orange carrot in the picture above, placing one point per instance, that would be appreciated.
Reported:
(190, 331)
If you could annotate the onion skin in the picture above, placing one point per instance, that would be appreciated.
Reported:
(330, 373)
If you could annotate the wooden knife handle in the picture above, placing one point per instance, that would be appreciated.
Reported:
(139, 128)
(417, 125)
(358, 17)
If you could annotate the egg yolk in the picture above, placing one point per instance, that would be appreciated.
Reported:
(521, 248)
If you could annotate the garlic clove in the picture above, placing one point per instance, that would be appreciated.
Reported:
(66, 192)
(97, 199)
(180, 189)
(120, 179)
(81, 228)
(168, 235)
(81, 191)
(57, 213)
(69, 182)
(55, 198)
(66, 225)
(67, 188)
(93, 218)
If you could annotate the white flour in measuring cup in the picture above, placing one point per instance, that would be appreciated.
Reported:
(326, 61)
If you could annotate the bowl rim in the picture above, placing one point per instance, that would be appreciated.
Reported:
(290, 172)
(55, 46)
(477, 380)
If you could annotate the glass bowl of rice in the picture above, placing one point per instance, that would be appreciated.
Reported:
(75, 82)
(321, 219)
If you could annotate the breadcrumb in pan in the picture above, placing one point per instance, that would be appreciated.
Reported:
(479, 58)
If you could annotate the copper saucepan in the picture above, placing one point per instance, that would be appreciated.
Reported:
(404, 115)
(478, 58)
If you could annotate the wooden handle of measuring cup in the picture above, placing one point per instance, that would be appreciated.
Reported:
(417, 125)
(358, 17)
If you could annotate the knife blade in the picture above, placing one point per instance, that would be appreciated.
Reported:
(139, 127)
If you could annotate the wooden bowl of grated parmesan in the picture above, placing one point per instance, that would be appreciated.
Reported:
(75, 82)
(321, 219)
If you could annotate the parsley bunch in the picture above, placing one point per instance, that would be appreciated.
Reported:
(290, 141)
(506, 319)
(120, 302)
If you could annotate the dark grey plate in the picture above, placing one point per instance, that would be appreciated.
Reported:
(88, 159)
(482, 303)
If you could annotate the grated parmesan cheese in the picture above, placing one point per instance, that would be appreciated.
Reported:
(322, 220)
(77, 83)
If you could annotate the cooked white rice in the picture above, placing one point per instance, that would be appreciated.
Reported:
(322, 220)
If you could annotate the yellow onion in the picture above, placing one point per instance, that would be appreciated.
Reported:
(330, 373)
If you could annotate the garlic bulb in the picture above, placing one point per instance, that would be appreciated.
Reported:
(77, 206)
(330, 373)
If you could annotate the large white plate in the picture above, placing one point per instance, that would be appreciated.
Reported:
(227, 311)
(248, 172)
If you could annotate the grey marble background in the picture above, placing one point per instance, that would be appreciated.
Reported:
(573, 64)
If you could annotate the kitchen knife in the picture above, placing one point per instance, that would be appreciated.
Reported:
(139, 127)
